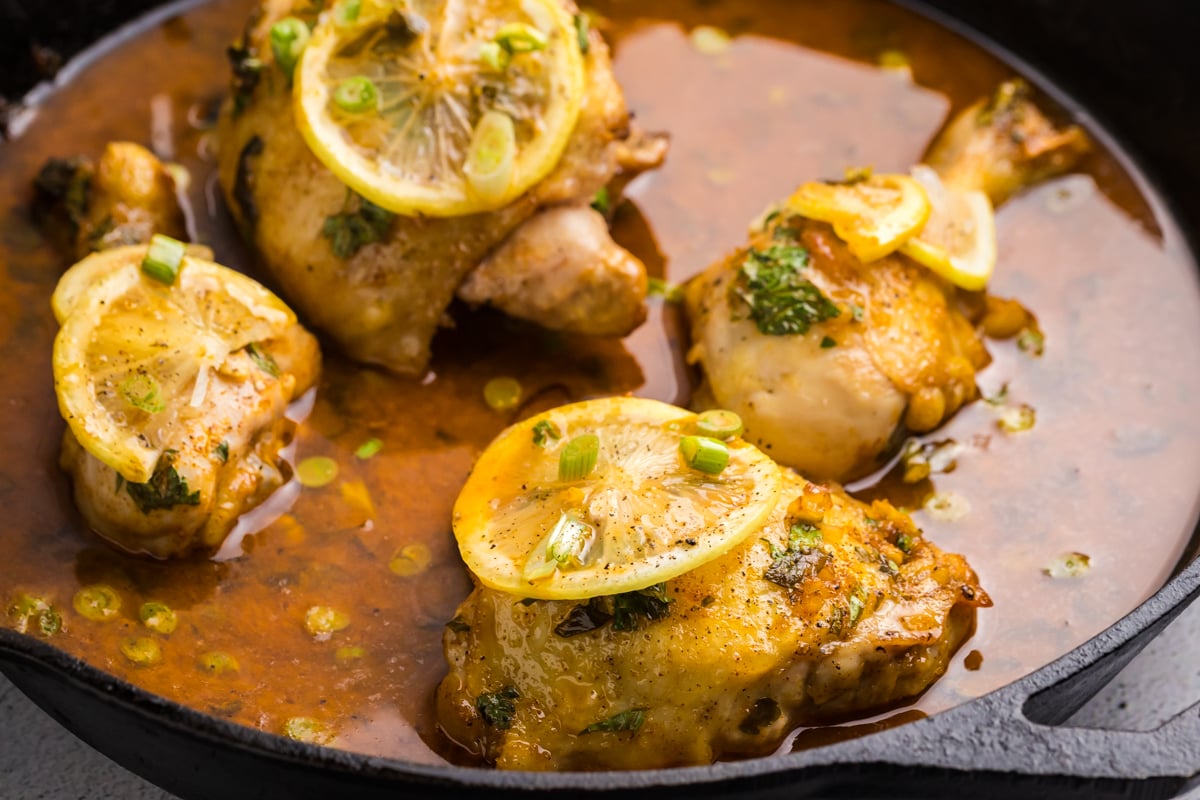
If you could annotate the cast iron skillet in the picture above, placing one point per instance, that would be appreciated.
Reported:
(1134, 67)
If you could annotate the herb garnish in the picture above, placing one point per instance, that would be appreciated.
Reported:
(800, 560)
(629, 720)
(497, 708)
(221, 451)
(762, 714)
(777, 298)
(165, 489)
(349, 231)
(672, 293)
(625, 611)
(544, 431)
(262, 359)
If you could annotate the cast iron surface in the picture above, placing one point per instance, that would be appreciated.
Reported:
(1133, 66)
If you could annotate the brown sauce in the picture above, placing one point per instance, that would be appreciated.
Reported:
(1110, 469)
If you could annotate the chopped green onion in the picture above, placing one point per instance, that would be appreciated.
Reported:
(217, 663)
(517, 37)
(369, 448)
(323, 621)
(346, 12)
(288, 37)
(502, 394)
(143, 393)
(709, 40)
(308, 730)
(668, 291)
(345, 655)
(99, 602)
(1070, 565)
(600, 200)
(545, 431)
(412, 559)
(578, 457)
(356, 95)
(704, 453)
(719, 424)
(1017, 419)
(158, 617)
(28, 607)
(856, 608)
(491, 156)
(163, 258)
(947, 506)
(141, 650)
(1032, 342)
(316, 471)
(570, 541)
(494, 57)
(582, 26)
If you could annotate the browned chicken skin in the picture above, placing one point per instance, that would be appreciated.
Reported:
(227, 448)
(856, 613)
(904, 351)
(383, 302)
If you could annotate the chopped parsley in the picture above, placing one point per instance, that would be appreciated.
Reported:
(497, 708)
(165, 489)
(221, 451)
(629, 720)
(601, 201)
(625, 611)
(776, 297)
(349, 231)
(800, 560)
(904, 543)
(762, 714)
(262, 359)
(828, 342)
(544, 432)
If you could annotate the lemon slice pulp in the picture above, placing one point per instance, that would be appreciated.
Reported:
(874, 216)
(134, 354)
(639, 516)
(471, 102)
(959, 240)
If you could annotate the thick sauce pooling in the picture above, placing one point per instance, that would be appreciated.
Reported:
(329, 627)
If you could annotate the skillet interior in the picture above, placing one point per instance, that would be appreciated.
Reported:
(501, 780)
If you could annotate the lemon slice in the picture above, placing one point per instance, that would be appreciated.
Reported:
(959, 240)
(874, 216)
(441, 107)
(536, 521)
(133, 354)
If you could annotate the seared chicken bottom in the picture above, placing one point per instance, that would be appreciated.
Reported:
(382, 289)
(833, 608)
(219, 441)
(890, 346)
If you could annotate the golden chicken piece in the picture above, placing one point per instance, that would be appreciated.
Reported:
(221, 458)
(834, 608)
(221, 453)
(124, 198)
(381, 287)
(890, 346)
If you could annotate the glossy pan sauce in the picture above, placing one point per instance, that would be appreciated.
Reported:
(1109, 470)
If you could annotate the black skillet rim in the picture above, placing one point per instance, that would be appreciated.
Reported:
(1046, 694)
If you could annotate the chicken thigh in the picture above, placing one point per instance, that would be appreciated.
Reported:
(833, 608)
(892, 347)
(381, 286)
